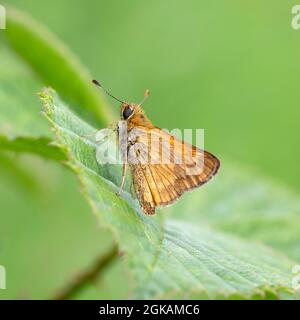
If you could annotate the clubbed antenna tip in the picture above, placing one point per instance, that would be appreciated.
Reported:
(108, 93)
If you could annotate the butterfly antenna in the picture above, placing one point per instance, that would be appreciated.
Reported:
(108, 93)
(146, 95)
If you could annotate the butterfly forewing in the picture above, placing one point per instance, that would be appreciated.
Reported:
(163, 167)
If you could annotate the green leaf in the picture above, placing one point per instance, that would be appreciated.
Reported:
(169, 258)
(48, 235)
(22, 129)
(39, 146)
(249, 205)
(56, 66)
(39, 196)
(18, 96)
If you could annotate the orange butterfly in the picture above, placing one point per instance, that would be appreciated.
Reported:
(162, 166)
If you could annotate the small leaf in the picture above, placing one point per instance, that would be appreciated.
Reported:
(169, 258)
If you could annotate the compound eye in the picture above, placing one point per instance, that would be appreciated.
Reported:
(127, 112)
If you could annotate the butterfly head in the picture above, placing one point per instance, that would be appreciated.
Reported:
(128, 110)
(135, 115)
(131, 112)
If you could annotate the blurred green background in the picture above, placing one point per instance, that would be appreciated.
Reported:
(229, 67)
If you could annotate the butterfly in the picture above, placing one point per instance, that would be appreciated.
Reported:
(162, 166)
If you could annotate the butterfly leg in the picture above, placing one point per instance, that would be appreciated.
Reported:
(123, 178)
(121, 127)
(132, 191)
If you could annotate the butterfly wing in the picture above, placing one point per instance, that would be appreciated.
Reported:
(163, 167)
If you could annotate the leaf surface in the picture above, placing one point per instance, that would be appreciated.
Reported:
(166, 257)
